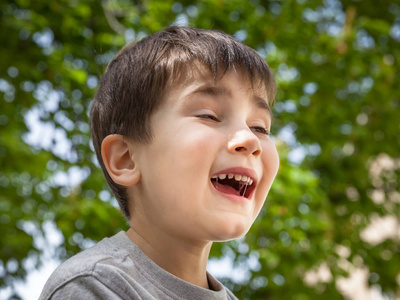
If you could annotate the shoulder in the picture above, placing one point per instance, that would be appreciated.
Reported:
(230, 295)
(93, 269)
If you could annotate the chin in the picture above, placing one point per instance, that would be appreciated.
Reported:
(230, 231)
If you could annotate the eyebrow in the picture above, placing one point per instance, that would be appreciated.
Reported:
(211, 90)
(220, 90)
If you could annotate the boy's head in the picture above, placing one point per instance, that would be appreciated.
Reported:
(142, 75)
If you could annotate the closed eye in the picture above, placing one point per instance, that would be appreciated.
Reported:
(210, 117)
(261, 130)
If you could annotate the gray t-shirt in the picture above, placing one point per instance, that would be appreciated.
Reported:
(116, 268)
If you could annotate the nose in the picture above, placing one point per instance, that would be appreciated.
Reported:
(246, 142)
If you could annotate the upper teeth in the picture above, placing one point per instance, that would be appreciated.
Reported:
(237, 177)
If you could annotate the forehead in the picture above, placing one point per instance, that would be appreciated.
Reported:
(217, 89)
(200, 80)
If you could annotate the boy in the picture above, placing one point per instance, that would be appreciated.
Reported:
(180, 126)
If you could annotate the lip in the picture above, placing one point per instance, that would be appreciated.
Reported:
(242, 171)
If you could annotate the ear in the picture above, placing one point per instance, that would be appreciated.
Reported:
(119, 161)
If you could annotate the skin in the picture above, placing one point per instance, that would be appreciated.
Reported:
(201, 129)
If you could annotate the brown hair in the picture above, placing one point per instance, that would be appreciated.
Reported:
(141, 73)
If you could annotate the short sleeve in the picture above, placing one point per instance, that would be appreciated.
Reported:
(88, 288)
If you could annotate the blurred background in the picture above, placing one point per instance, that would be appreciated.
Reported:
(330, 228)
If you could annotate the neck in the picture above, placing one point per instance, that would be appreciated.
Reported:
(184, 259)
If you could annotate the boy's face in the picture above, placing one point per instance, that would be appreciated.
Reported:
(204, 133)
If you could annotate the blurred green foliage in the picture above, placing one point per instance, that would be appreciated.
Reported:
(337, 65)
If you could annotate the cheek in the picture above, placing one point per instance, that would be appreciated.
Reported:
(183, 159)
(198, 145)
(270, 161)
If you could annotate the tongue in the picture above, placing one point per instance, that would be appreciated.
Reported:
(227, 189)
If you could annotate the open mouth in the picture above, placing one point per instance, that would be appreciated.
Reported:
(234, 184)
